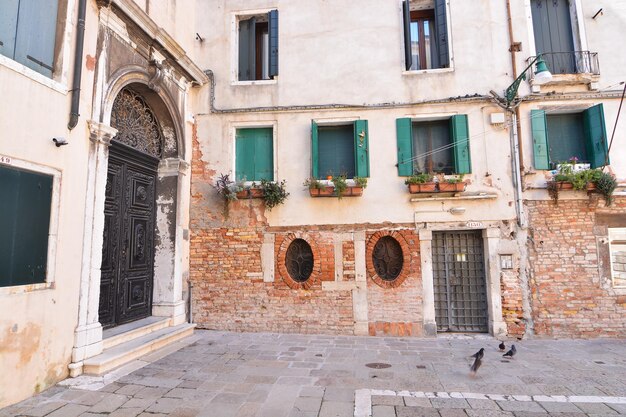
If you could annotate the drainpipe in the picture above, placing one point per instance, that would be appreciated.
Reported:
(78, 64)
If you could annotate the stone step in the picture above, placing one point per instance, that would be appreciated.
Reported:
(127, 332)
(133, 349)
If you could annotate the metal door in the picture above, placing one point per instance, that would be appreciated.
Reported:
(128, 242)
(459, 281)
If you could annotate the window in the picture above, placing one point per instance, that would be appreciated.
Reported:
(254, 154)
(433, 146)
(28, 31)
(299, 260)
(387, 258)
(258, 47)
(340, 150)
(24, 225)
(425, 34)
(552, 26)
(559, 137)
(617, 248)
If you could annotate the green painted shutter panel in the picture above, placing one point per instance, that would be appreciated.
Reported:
(36, 34)
(441, 25)
(247, 49)
(314, 150)
(404, 140)
(361, 149)
(263, 155)
(8, 26)
(460, 137)
(540, 139)
(595, 135)
(244, 155)
(24, 226)
(408, 55)
(273, 42)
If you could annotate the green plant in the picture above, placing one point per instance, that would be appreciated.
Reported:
(313, 184)
(419, 178)
(454, 179)
(340, 183)
(580, 179)
(360, 182)
(274, 193)
(553, 191)
(227, 188)
(606, 184)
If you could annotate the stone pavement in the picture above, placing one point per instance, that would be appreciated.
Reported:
(222, 374)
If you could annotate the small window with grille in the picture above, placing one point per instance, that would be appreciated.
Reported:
(299, 260)
(388, 258)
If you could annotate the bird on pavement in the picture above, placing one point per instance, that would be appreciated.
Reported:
(479, 355)
(502, 346)
(510, 353)
(475, 366)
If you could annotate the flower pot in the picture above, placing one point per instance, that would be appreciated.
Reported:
(354, 191)
(322, 192)
(250, 193)
(591, 186)
(564, 185)
(427, 187)
(447, 187)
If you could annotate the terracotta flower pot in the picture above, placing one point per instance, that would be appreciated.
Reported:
(250, 193)
(427, 187)
(354, 191)
(322, 192)
(447, 187)
(564, 185)
(591, 186)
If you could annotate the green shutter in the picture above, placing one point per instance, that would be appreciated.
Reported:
(314, 150)
(8, 26)
(263, 155)
(361, 149)
(460, 137)
(36, 35)
(244, 155)
(595, 136)
(441, 24)
(273, 42)
(24, 225)
(404, 140)
(247, 49)
(540, 139)
(406, 17)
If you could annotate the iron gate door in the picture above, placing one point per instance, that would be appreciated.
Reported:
(127, 269)
(459, 281)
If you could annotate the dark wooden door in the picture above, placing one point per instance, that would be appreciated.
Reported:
(459, 281)
(127, 269)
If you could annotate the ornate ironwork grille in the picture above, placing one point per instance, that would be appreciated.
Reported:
(387, 258)
(459, 281)
(299, 260)
(137, 127)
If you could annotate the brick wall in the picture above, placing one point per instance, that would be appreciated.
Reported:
(571, 289)
(512, 307)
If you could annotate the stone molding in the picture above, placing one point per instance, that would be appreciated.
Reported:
(406, 261)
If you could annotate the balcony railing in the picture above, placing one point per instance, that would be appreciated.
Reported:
(577, 62)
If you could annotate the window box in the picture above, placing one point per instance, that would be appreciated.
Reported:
(353, 191)
(452, 187)
(328, 191)
(252, 192)
(427, 187)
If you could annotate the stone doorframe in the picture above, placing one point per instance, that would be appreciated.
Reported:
(491, 238)
(172, 206)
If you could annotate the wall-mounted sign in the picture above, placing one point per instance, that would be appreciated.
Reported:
(474, 225)
(5, 160)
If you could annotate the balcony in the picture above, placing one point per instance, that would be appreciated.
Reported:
(578, 67)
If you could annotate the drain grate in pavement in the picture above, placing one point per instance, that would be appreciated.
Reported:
(420, 366)
(378, 365)
(600, 362)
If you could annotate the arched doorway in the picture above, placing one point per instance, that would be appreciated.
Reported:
(128, 250)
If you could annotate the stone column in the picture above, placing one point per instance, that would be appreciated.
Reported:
(88, 333)
(428, 289)
(171, 255)
(359, 294)
(497, 327)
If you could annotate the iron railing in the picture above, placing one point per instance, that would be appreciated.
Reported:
(576, 62)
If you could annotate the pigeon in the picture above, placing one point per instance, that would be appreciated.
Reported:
(475, 366)
(502, 346)
(479, 355)
(510, 353)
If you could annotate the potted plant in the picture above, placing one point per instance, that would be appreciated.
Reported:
(421, 183)
(357, 189)
(451, 184)
(317, 188)
(253, 190)
(274, 193)
(340, 184)
(605, 185)
(227, 188)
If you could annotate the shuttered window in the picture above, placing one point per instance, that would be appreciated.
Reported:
(28, 32)
(258, 47)
(24, 226)
(254, 154)
(426, 37)
(340, 150)
(433, 146)
(552, 26)
(560, 137)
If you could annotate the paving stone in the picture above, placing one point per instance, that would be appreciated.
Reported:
(554, 407)
(339, 394)
(142, 403)
(165, 405)
(416, 402)
(312, 392)
(112, 387)
(336, 409)
(129, 389)
(595, 408)
(383, 411)
(229, 398)
(620, 408)
(43, 409)
(151, 392)
(452, 412)
(181, 393)
(308, 404)
(127, 412)
(520, 406)
(530, 414)
(482, 404)
(109, 403)
(69, 410)
(402, 411)
(248, 410)
(387, 400)
(449, 403)
(184, 412)
(488, 413)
